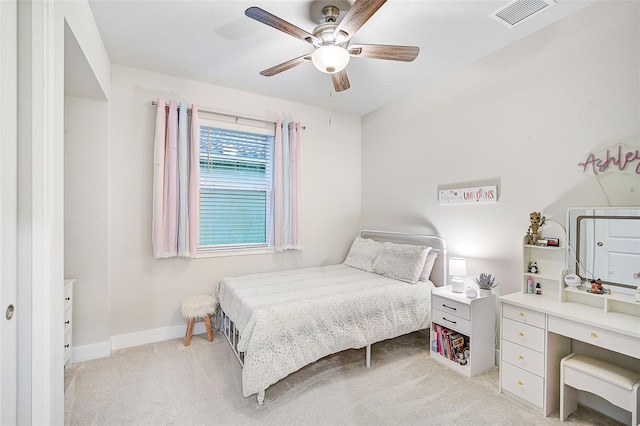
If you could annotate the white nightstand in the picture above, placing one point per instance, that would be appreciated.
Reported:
(456, 319)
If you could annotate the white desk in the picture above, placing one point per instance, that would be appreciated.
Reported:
(538, 331)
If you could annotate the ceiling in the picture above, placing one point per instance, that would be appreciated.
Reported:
(214, 42)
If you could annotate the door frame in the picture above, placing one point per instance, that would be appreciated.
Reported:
(40, 240)
(8, 210)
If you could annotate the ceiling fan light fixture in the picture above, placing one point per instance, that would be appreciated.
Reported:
(330, 58)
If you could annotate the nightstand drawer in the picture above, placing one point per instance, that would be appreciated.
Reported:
(522, 384)
(523, 315)
(523, 334)
(451, 307)
(523, 357)
(452, 321)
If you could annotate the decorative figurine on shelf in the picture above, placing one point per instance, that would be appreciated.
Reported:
(532, 236)
(460, 359)
(596, 287)
(533, 267)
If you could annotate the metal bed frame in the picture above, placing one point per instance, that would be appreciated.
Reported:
(231, 333)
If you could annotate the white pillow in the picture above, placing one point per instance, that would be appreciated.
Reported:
(402, 262)
(428, 265)
(363, 253)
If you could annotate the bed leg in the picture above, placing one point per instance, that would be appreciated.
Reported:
(368, 360)
(260, 397)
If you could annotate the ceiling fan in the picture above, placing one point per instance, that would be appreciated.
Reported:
(331, 41)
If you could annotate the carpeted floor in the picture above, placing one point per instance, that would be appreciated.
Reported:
(168, 383)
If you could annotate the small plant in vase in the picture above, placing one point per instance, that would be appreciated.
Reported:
(486, 282)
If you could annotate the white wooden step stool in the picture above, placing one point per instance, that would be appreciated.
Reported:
(615, 384)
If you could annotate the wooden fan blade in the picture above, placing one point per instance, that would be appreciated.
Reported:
(388, 52)
(267, 18)
(285, 66)
(340, 81)
(356, 17)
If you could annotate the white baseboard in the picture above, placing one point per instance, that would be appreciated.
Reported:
(155, 335)
(122, 341)
(89, 352)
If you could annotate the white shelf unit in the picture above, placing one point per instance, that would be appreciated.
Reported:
(550, 261)
(472, 318)
(615, 302)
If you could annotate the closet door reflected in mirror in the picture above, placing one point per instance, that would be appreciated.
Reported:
(604, 243)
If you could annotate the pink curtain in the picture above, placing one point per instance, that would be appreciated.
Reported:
(288, 187)
(278, 203)
(175, 181)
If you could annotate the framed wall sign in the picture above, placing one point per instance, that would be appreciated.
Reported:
(473, 195)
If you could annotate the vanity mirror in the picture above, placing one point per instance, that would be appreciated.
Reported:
(604, 242)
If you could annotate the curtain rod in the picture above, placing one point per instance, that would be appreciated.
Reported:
(237, 117)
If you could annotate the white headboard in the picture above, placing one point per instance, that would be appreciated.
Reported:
(437, 244)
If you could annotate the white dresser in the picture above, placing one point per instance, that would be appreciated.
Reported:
(537, 332)
(68, 319)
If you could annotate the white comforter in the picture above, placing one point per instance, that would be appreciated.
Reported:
(292, 318)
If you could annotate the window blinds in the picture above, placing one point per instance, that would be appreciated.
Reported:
(235, 188)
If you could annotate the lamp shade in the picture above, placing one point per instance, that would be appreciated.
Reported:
(457, 267)
(330, 58)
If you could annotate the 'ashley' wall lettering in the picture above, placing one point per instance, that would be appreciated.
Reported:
(613, 159)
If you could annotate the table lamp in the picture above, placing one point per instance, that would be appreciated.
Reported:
(457, 270)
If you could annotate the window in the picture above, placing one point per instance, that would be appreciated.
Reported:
(235, 186)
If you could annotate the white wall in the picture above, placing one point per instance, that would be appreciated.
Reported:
(522, 118)
(85, 217)
(145, 293)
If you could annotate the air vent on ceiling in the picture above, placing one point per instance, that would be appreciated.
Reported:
(518, 11)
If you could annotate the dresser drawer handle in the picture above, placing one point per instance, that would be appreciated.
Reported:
(521, 358)
(67, 322)
(449, 307)
(452, 322)
(594, 336)
(521, 334)
(67, 298)
(66, 346)
(521, 314)
(520, 383)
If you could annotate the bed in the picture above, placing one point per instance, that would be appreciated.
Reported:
(278, 322)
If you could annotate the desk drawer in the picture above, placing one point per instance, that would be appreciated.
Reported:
(451, 307)
(523, 357)
(449, 320)
(523, 315)
(523, 334)
(523, 384)
(596, 336)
